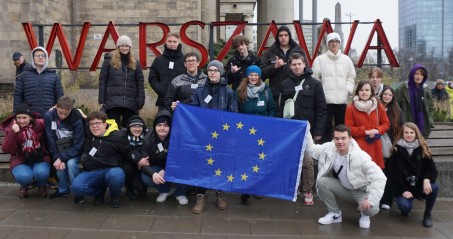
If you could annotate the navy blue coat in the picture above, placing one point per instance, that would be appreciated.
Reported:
(223, 98)
(41, 90)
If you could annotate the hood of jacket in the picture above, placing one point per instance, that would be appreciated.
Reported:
(172, 54)
(112, 127)
(162, 113)
(46, 63)
(412, 73)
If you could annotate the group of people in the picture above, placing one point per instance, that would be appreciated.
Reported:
(374, 156)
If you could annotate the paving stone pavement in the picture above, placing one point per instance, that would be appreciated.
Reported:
(37, 217)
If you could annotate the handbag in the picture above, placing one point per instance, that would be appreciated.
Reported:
(288, 109)
(64, 144)
(386, 145)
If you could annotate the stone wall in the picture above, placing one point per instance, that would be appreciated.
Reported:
(12, 36)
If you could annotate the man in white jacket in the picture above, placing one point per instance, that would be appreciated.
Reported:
(336, 72)
(347, 172)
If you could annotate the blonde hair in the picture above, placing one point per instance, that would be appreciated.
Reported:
(426, 152)
(116, 59)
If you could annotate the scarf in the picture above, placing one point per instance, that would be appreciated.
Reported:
(409, 146)
(135, 141)
(31, 147)
(253, 90)
(365, 106)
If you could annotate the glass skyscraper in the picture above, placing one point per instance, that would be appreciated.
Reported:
(426, 31)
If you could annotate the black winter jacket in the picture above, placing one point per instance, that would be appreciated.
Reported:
(41, 90)
(23, 67)
(180, 88)
(111, 149)
(403, 166)
(160, 74)
(223, 98)
(310, 103)
(243, 63)
(123, 87)
(276, 76)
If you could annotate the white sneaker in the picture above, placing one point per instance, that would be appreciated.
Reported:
(364, 221)
(182, 200)
(162, 197)
(385, 206)
(330, 218)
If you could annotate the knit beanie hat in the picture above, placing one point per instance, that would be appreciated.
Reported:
(124, 40)
(162, 119)
(24, 108)
(253, 69)
(333, 36)
(135, 121)
(218, 65)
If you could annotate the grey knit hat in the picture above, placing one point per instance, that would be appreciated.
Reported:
(124, 40)
(218, 65)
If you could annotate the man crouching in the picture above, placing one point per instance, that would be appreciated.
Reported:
(347, 172)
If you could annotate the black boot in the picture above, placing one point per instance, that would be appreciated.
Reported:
(427, 220)
(99, 199)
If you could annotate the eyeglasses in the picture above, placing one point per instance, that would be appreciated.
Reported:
(191, 61)
(213, 71)
(95, 124)
(40, 55)
(334, 42)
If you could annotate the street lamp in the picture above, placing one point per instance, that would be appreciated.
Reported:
(350, 15)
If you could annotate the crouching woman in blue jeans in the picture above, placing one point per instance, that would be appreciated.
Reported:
(414, 172)
(152, 166)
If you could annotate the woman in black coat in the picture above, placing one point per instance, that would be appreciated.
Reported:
(121, 83)
(414, 172)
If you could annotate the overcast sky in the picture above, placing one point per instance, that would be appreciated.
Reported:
(362, 10)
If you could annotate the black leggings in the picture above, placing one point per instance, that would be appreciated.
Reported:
(120, 115)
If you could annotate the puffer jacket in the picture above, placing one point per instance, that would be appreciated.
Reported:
(122, 87)
(236, 78)
(251, 106)
(223, 98)
(310, 103)
(160, 74)
(182, 87)
(363, 174)
(41, 89)
(337, 74)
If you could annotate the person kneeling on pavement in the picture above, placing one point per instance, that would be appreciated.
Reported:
(347, 172)
(154, 160)
(103, 155)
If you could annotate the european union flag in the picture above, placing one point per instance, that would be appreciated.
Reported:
(236, 152)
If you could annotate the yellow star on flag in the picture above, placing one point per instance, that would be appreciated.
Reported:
(244, 177)
(261, 142)
(256, 169)
(218, 172)
(230, 178)
(239, 125)
(210, 161)
(226, 126)
(209, 147)
(214, 134)
(252, 130)
(262, 155)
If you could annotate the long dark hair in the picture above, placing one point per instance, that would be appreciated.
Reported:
(360, 85)
(393, 111)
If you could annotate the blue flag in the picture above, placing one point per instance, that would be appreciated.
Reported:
(236, 152)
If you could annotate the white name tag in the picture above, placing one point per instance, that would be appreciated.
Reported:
(171, 64)
(28, 143)
(261, 103)
(207, 99)
(93, 151)
(298, 88)
(194, 86)
(160, 147)
(53, 125)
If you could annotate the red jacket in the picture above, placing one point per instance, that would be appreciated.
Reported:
(12, 143)
(359, 121)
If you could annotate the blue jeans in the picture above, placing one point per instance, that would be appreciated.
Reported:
(92, 183)
(24, 174)
(405, 204)
(181, 189)
(66, 176)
